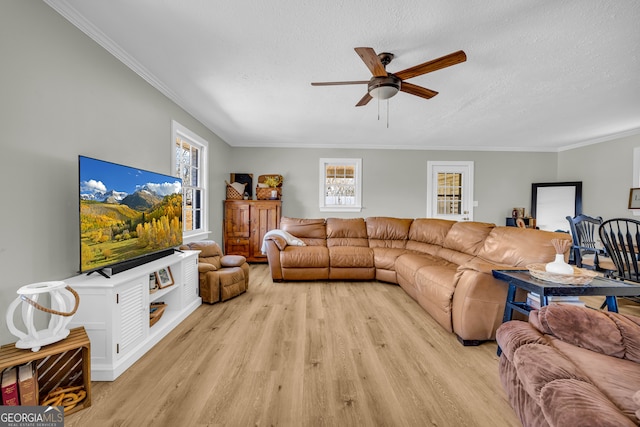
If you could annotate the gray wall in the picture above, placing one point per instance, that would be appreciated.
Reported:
(606, 172)
(395, 181)
(63, 95)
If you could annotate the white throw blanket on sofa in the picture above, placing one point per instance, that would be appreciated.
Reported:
(288, 237)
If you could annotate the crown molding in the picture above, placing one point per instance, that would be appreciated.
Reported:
(604, 138)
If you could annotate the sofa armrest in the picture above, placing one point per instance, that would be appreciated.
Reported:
(608, 333)
(204, 267)
(232, 260)
(481, 266)
(273, 256)
(279, 241)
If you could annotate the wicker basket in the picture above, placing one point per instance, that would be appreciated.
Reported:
(264, 193)
(232, 193)
(157, 313)
(580, 276)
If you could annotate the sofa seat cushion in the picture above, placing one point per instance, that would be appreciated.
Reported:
(408, 264)
(350, 257)
(305, 257)
(385, 258)
(455, 257)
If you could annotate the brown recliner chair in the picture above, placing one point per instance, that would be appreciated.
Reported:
(221, 276)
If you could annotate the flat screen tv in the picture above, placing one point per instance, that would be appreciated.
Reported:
(128, 216)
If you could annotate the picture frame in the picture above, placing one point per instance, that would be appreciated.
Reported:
(153, 283)
(164, 278)
(634, 198)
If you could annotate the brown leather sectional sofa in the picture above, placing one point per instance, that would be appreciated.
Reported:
(446, 266)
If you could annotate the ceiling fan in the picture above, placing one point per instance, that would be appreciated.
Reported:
(384, 85)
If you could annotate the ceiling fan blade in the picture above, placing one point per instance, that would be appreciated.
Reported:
(372, 61)
(365, 100)
(420, 91)
(433, 65)
(356, 82)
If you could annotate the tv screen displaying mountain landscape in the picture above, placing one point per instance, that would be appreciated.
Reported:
(126, 213)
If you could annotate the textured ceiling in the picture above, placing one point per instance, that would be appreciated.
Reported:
(540, 75)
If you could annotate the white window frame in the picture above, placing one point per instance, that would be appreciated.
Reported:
(357, 164)
(468, 184)
(180, 131)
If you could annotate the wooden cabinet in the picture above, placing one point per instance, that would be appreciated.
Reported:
(66, 363)
(245, 224)
(115, 311)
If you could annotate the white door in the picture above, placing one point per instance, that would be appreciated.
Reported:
(450, 190)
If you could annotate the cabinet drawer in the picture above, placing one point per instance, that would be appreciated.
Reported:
(237, 247)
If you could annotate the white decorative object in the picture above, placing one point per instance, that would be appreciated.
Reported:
(64, 303)
(559, 266)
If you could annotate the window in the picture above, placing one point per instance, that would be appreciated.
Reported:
(340, 185)
(189, 162)
(449, 193)
(450, 190)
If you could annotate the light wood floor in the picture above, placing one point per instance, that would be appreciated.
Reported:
(306, 354)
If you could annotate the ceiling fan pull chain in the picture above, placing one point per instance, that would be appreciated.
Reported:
(388, 113)
(378, 109)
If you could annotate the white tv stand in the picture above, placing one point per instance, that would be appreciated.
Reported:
(115, 311)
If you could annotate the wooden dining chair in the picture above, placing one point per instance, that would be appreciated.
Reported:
(585, 249)
(621, 239)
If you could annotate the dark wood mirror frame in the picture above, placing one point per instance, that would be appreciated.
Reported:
(572, 188)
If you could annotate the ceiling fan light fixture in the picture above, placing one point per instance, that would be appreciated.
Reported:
(383, 92)
(384, 87)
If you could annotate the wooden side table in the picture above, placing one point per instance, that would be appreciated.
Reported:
(524, 280)
(66, 363)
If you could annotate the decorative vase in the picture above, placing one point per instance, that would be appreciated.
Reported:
(558, 266)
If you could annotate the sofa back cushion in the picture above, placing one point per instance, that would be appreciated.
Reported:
(519, 247)
(385, 232)
(311, 231)
(346, 232)
(467, 236)
(210, 252)
(427, 235)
